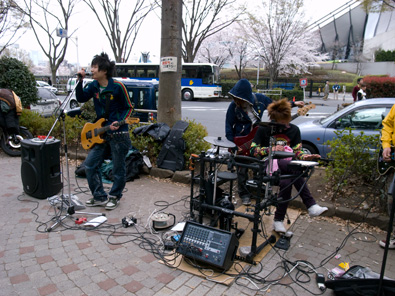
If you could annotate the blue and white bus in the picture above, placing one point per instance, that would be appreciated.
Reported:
(198, 81)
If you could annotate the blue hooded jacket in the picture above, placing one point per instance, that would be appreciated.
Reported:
(237, 121)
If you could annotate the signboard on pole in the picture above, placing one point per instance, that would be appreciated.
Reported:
(168, 64)
(303, 82)
(61, 33)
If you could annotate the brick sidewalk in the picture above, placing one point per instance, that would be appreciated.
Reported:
(75, 262)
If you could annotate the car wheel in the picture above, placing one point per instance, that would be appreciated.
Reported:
(73, 104)
(187, 95)
(309, 149)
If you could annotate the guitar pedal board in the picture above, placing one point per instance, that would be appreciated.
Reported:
(209, 245)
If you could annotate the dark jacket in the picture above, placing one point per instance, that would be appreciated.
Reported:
(120, 106)
(237, 121)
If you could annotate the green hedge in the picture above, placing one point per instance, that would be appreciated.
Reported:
(385, 55)
(37, 125)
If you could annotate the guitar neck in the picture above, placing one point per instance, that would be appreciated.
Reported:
(107, 127)
(293, 117)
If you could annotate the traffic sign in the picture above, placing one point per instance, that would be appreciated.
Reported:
(303, 82)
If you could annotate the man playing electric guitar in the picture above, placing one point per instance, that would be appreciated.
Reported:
(112, 102)
(242, 115)
(388, 141)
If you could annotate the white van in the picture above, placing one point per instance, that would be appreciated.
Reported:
(72, 81)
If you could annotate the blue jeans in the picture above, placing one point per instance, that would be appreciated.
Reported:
(119, 144)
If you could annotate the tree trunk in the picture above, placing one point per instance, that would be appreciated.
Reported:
(169, 104)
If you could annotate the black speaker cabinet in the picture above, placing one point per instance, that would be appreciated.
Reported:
(40, 168)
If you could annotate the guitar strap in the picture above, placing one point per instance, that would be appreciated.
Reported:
(253, 110)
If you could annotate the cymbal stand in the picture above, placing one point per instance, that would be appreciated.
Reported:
(70, 209)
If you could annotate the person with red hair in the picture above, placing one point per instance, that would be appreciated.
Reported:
(286, 138)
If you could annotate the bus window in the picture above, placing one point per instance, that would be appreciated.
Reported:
(207, 75)
(127, 71)
(190, 72)
(147, 71)
(141, 99)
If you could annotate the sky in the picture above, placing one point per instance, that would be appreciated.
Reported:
(91, 39)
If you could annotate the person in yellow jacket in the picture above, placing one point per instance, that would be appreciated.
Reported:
(388, 142)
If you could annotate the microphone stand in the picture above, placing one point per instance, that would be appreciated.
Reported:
(70, 210)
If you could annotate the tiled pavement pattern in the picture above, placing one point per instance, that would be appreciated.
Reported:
(76, 262)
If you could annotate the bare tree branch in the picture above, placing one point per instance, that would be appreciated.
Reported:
(11, 22)
(204, 18)
(44, 18)
(121, 39)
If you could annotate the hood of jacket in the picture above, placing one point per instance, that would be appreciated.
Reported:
(243, 91)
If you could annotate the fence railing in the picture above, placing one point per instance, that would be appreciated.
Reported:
(150, 116)
(271, 92)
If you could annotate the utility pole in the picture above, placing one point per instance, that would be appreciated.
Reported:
(169, 103)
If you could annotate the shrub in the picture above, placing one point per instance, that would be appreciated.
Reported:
(193, 137)
(39, 125)
(385, 55)
(17, 77)
(353, 161)
(380, 87)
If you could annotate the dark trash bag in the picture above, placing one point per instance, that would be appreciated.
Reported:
(134, 164)
(360, 281)
(158, 131)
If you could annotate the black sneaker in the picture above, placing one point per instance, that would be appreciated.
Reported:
(112, 203)
(96, 203)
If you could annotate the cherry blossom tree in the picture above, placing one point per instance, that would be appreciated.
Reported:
(227, 47)
(280, 38)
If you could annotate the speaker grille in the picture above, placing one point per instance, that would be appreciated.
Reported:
(29, 177)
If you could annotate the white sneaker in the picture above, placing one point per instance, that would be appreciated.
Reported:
(278, 226)
(316, 210)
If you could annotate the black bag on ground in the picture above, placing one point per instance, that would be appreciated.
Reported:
(171, 156)
(134, 164)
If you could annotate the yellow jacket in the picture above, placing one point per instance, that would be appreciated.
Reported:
(388, 131)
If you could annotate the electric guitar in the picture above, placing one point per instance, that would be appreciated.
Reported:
(92, 132)
(244, 142)
(385, 166)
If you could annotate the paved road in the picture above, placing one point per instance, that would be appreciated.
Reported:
(212, 114)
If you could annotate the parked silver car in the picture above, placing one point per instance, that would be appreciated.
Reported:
(48, 102)
(46, 85)
(365, 115)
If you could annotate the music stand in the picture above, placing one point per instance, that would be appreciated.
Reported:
(70, 209)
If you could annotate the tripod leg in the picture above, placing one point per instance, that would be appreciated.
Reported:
(57, 223)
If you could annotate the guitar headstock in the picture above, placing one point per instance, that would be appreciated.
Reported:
(303, 111)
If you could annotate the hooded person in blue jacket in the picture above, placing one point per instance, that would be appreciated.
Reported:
(244, 113)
